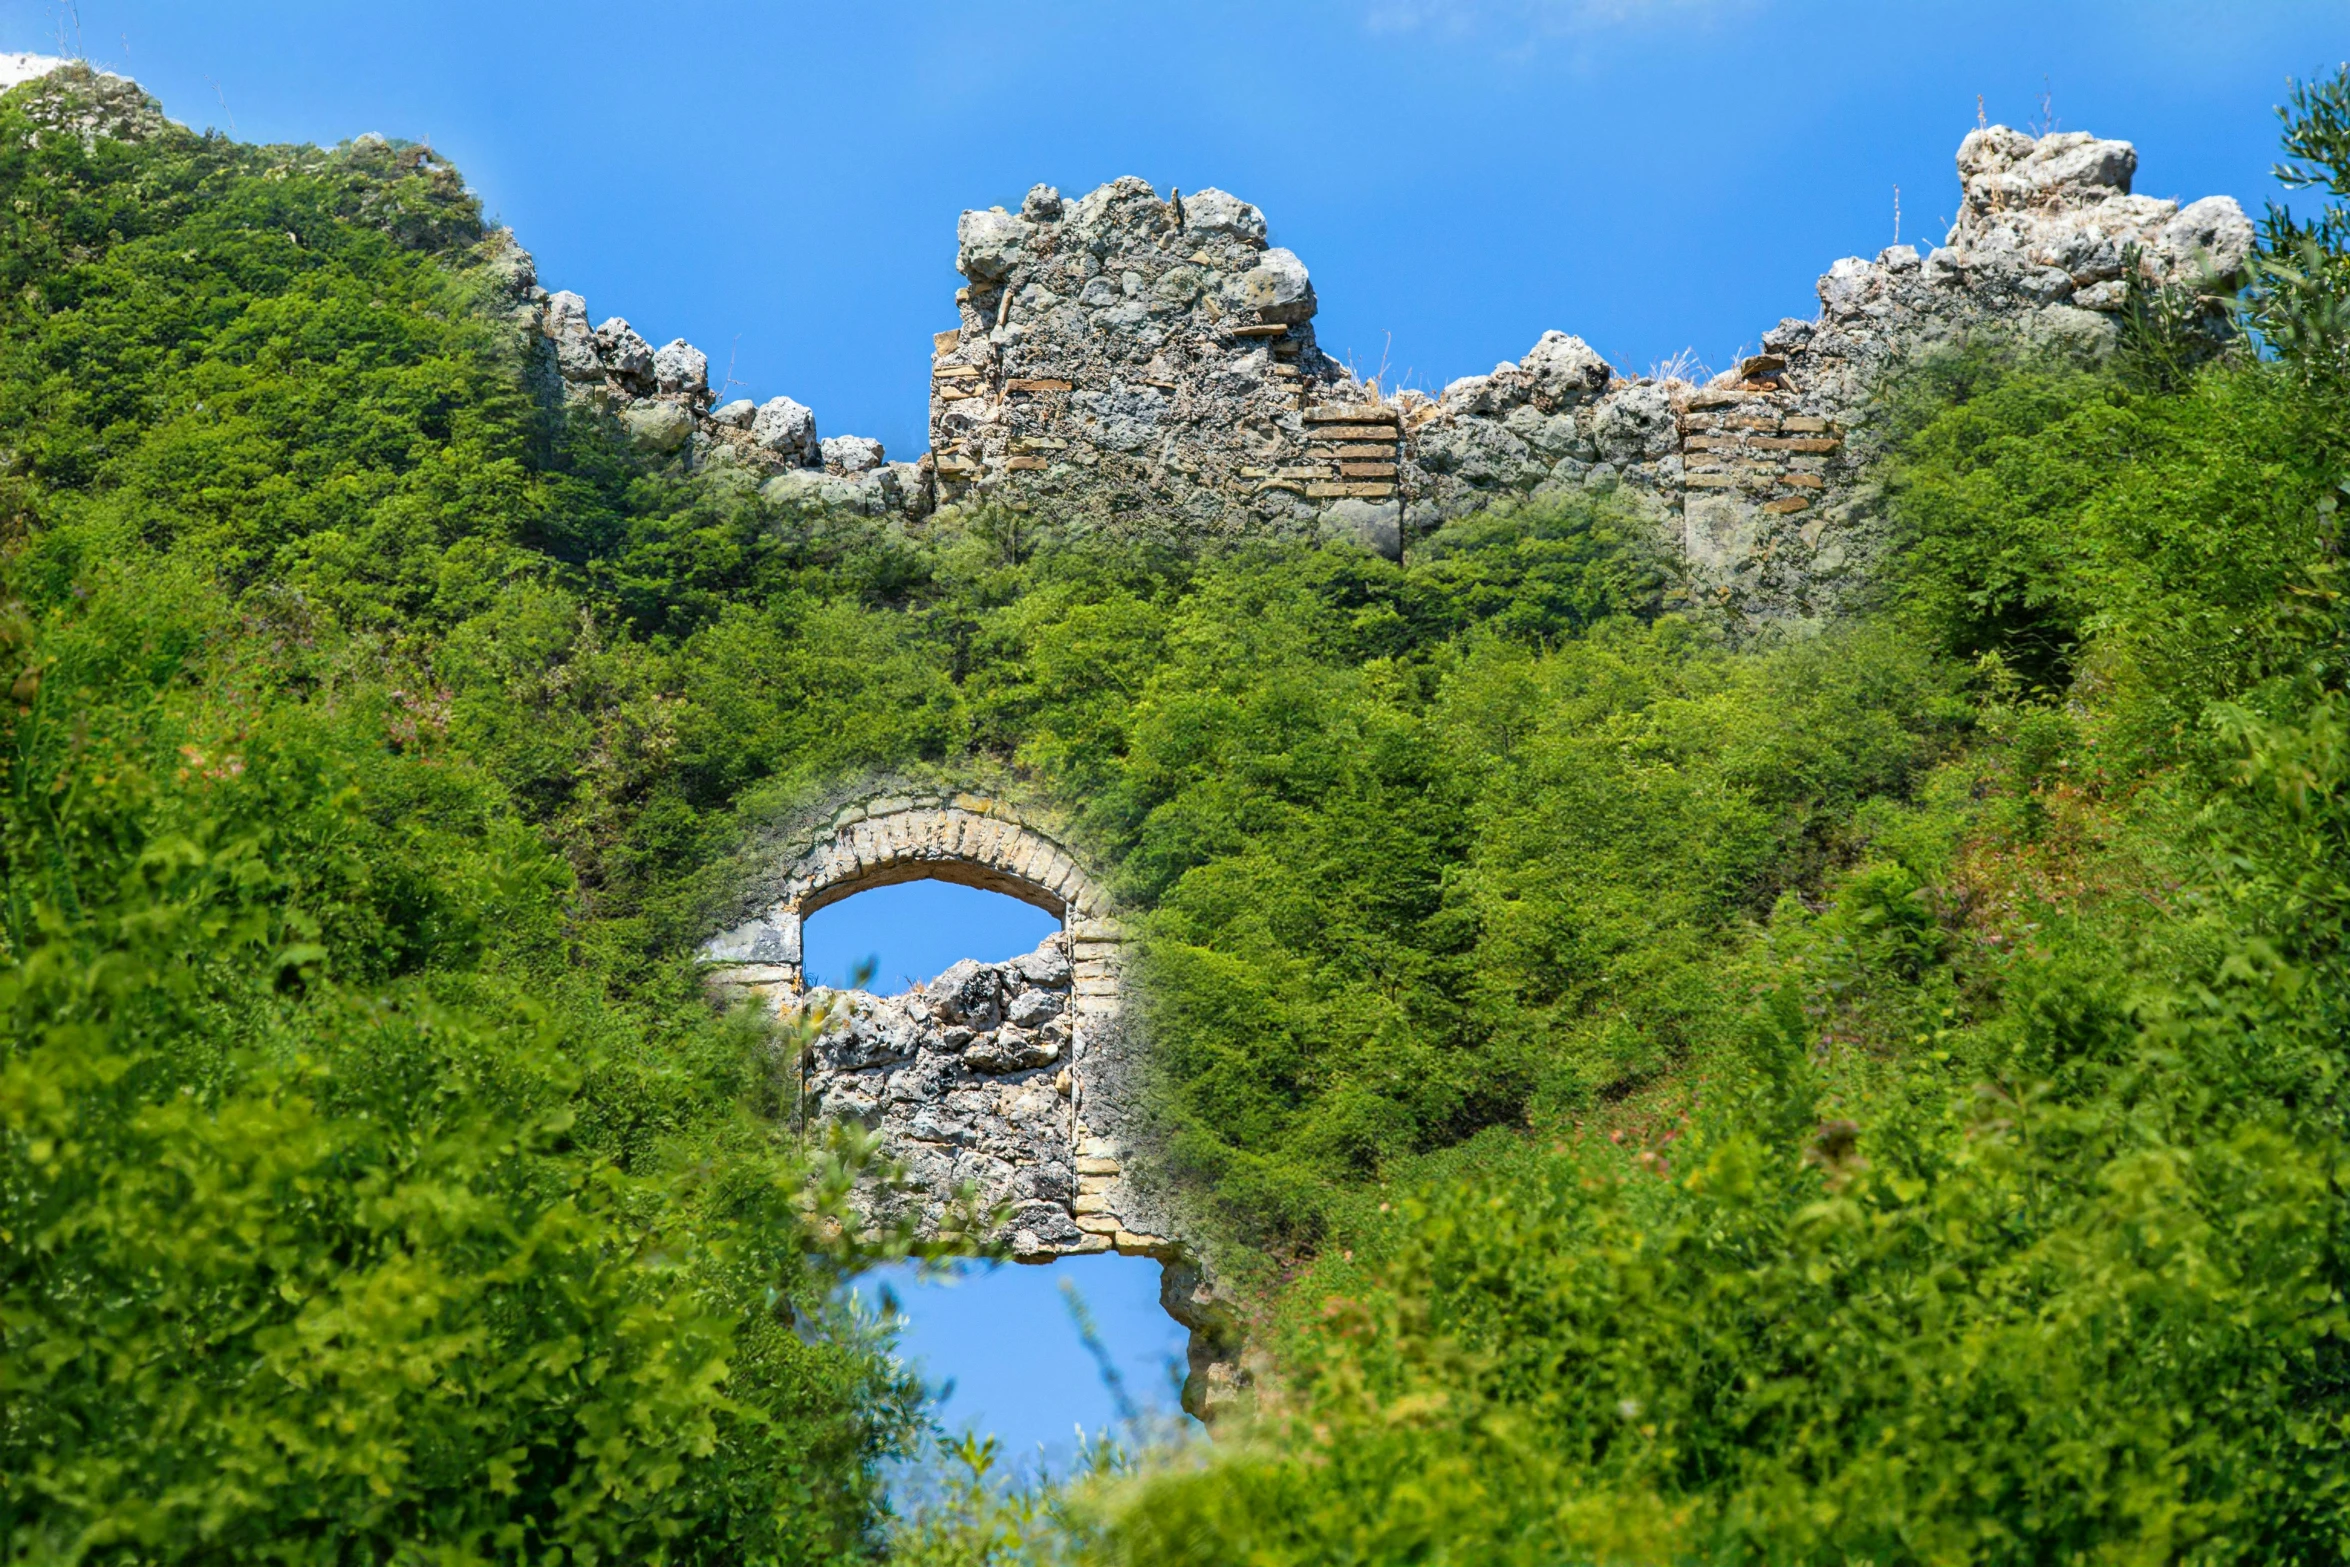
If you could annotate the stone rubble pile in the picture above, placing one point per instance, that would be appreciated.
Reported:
(663, 399)
(965, 1081)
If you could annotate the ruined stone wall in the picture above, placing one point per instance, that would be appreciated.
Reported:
(1123, 356)
(1124, 361)
(1128, 361)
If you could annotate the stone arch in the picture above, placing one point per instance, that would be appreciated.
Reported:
(971, 839)
(991, 844)
(1066, 1180)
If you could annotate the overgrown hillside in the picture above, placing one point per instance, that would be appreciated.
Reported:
(1984, 1202)
(1873, 1097)
(352, 1205)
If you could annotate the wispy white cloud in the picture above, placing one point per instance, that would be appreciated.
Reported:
(1526, 20)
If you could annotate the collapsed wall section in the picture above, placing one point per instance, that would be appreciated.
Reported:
(966, 1083)
(1130, 359)
(663, 399)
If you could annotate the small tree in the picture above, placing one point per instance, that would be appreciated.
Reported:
(2298, 295)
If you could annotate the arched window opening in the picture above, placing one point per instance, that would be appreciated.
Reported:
(999, 1346)
(906, 934)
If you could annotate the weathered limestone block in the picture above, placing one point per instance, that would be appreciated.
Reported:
(680, 369)
(788, 429)
(566, 325)
(850, 454)
(989, 244)
(624, 353)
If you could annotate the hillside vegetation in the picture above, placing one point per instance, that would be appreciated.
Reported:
(1672, 1096)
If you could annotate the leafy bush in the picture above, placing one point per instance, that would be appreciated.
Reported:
(341, 1212)
(1872, 1097)
(1992, 1213)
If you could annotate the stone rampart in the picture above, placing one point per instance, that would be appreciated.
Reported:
(1127, 356)
(1134, 361)
(1126, 360)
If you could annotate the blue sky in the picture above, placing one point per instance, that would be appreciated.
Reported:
(913, 931)
(779, 182)
(1001, 1349)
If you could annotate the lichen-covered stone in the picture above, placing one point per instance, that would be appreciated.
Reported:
(681, 369)
(1214, 214)
(1276, 288)
(989, 244)
(658, 427)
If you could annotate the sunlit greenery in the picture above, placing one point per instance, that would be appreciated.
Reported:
(1991, 1208)
(1671, 1091)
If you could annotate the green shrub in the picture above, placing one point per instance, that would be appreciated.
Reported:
(1990, 1211)
(1868, 1097)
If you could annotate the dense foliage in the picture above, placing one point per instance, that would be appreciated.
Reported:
(1995, 1212)
(343, 1214)
(1871, 1094)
